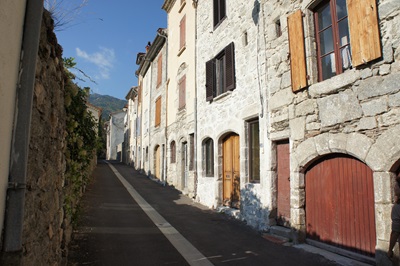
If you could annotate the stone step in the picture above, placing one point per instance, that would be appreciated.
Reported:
(281, 231)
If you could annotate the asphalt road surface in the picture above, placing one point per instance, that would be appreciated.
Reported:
(128, 219)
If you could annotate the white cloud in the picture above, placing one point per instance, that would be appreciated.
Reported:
(103, 59)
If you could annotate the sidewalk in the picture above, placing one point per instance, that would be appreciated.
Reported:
(114, 229)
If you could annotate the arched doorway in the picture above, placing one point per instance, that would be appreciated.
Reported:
(340, 204)
(231, 171)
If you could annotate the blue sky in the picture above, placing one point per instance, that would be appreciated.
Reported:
(105, 37)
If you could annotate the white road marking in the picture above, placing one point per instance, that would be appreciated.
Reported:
(184, 247)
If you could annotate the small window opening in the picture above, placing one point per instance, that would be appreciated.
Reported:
(278, 28)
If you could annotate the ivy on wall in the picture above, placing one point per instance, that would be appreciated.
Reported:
(81, 141)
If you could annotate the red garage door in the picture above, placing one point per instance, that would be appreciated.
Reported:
(340, 204)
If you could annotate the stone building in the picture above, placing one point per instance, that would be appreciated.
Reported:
(131, 126)
(333, 72)
(181, 96)
(115, 135)
(152, 105)
(231, 108)
(295, 119)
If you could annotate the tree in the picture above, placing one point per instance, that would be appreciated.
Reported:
(64, 12)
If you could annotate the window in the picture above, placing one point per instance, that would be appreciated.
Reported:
(158, 112)
(333, 38)
(159, 70)
(219, 11)
(182, 27)
(254, 151)
(220, 73)
(173, 152)
(191, 152)
(346, 35)
(278, 28)
(182, 92)
(208, 157)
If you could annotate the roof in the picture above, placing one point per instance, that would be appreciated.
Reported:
(132, 93)
(155, 48)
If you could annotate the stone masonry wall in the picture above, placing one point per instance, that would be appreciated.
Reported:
(43, 234)
(355, 113)
(229, 112)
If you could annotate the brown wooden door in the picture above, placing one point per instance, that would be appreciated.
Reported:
(283, 183)
(231, 171)
(340, 204)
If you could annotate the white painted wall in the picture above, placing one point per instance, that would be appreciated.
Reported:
(12, 14)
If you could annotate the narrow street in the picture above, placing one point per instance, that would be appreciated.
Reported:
(127, 219)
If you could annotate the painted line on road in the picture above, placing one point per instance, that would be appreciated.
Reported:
(192, 255)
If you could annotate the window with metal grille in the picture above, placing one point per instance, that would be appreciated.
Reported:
(208, 157)
(173, 151)
(253, 131)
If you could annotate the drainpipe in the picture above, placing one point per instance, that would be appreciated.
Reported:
(21, 132)
(195, 101)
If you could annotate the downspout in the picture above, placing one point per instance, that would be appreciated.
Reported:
(195, 102)
(22, 123)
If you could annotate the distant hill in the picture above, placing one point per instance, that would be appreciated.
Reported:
(108, 103)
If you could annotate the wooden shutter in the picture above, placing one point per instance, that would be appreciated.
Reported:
(191, 152)
(182, 92)
(159, 71)
(216, 12)
(210, 80)
(158, 112)
(364, 31)
(297, 51)
(230, 67)
(182, 33)
(140, 92)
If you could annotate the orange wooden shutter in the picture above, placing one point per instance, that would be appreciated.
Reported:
(182, 92)
(158, 112)
(159, 72)
(364, 31)
(297, 51)
(183, 33)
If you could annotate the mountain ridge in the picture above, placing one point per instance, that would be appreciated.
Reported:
(108, 103)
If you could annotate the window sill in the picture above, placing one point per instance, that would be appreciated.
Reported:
(221, 96)
(334, 84)
(182, 6)
(181, 50)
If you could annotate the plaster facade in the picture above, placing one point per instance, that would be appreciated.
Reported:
(181, 120)
(231, 111)
(115, 135)
(12, 14)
